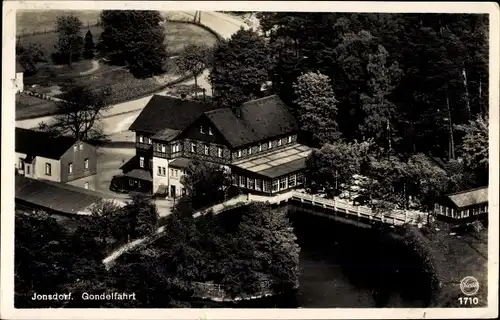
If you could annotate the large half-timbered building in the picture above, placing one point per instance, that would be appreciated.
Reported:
(256, 141)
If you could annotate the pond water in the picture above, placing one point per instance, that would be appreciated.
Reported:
(344, 266)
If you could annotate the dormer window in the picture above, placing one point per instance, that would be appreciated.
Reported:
(202, 130)
(210, 131)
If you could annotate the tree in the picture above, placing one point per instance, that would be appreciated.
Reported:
(194, 59)
(29, 56)
(379, 111)
(79, 113)
(88, 48)
(475, 143)
(48, 259)
(267, 249)
(316, 107)
(427, 182)
(134, 38)
(206, 183)
(240, 67)
(70, 40)
(144, 210)
(334, 164)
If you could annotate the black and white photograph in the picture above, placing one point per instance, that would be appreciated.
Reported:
(250, 156)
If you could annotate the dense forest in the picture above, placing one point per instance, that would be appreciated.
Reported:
(412, 77)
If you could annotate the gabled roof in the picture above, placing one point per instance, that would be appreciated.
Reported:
(259, 119)
(164, 112)
(469, 197)
(34, 143)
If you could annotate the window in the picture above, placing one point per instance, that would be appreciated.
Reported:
(75, 147)
(151, 163)
(234, 179)
(290, 139)
(279, 142)
(21, 163)
(207, 150)
(150, 141)
(81, 146)
(159, 170)
(48, 169)
(131, 182)
(219, 152)
(291, 181)
(239, 153)
(70, 168)
(86, 164)
(202, 130)
(176, 148)
(242, 181)
(283, 183)
(260, 147)
(86, 185)
(141, 139)
(258, 184)
(183, 191)
(163, 148)
(210, 131)
(269, 145)
(265, 186)
(250, 183)
(250, 151)
(27, 169)
(171, 172)
(141, 162)
(300, 178)
(193, 147)
(275, 185)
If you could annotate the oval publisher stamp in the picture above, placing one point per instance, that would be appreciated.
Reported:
(469, 286)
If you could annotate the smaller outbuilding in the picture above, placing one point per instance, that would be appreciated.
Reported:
(463, 206)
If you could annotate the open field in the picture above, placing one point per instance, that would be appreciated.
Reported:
(52, 79)
(29, 21)
(178, 35)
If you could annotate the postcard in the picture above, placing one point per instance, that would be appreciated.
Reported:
(249, 160)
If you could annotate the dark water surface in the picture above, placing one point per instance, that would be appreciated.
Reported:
(344, 266)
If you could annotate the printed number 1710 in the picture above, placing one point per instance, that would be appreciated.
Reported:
(466, 301)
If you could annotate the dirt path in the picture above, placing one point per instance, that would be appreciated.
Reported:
(95, 67)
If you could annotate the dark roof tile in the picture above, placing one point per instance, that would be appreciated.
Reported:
(164, 112)
(259, 119)
(35, 143)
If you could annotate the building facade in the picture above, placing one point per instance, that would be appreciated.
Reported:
(60, 159)
(256, 142)
(463, 206)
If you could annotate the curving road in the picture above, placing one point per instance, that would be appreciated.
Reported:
(117, 119)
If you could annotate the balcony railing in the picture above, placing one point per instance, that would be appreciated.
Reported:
(141, 145)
